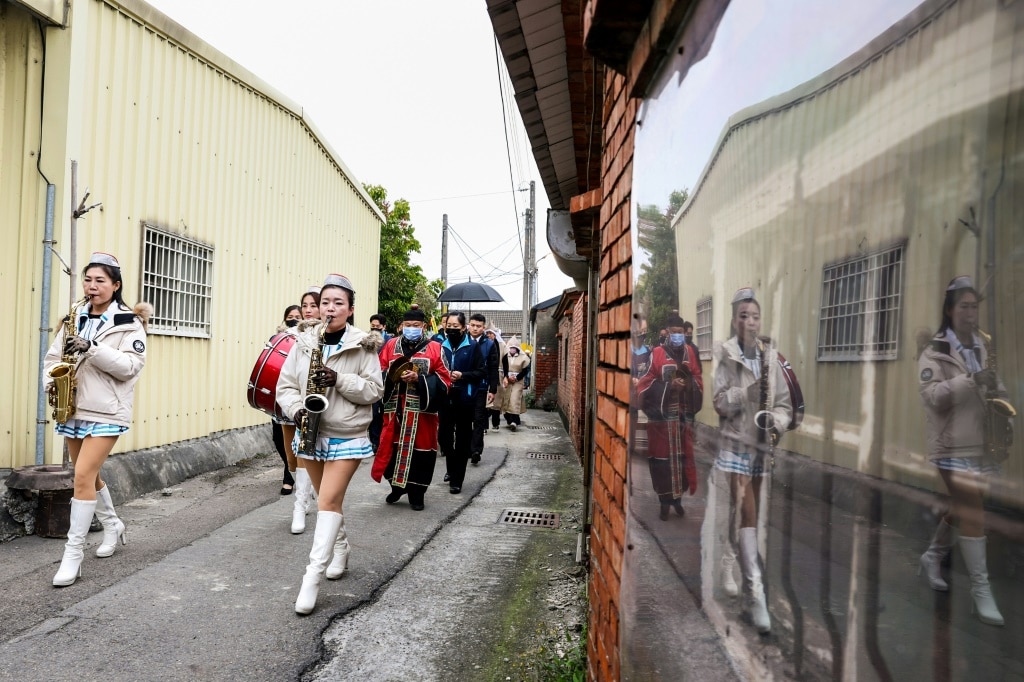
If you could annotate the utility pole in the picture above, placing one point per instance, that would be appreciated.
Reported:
(529, 286)
(444, 250)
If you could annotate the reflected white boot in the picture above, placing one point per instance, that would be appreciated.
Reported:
(113, 527)
(728, 582)
(303, 494)
(339, 564)
(974, 550)
(326, 532)
(752, 574)
(931, 560)
(74, 551)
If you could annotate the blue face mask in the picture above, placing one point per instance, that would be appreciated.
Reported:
(412, 333)
(677, 339)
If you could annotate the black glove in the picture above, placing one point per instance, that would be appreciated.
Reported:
(76, 344)
(986, 378)
(325, 377)
(300, 415)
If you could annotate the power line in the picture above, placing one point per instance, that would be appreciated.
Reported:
(508, 152)
(461, 196)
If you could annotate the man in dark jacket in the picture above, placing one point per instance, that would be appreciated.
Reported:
(466, 364)
(488, 384)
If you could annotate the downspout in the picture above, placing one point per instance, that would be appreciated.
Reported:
(44, 320)
(593, 294)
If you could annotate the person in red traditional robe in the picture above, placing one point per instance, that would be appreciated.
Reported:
(416, 379)
(671, 389)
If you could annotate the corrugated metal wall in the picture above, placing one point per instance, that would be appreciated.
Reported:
(173, 138)
(899, 148)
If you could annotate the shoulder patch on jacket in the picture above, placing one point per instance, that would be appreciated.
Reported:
(926, 374)
(138, 346)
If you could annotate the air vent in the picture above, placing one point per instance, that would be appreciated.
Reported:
(529, 518)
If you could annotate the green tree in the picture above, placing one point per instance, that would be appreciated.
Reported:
(658, 283)
(398, 277)
(426, 297)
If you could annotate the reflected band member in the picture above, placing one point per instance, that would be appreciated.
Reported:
(955, 382)
(667, 392)
(752, 399)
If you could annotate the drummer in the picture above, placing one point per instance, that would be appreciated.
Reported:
(292, 315)
(309, 306)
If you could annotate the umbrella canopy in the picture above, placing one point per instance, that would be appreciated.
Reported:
(469, 291)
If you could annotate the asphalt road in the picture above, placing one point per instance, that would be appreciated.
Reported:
(205, 588)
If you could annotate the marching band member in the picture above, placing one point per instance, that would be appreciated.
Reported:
(348, 374)
(753, 402)
(416, 380)
(310, 309)
(108, 344)
(955, 382)
(292, 315)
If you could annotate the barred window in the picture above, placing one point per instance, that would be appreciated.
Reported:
(703, 330)
(177, 278)
(860, 307)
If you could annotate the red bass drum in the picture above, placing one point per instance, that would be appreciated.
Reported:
(263, 380)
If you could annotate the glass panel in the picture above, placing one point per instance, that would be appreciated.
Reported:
(817, 411)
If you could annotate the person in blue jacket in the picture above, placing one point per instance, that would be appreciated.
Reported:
(455, 432)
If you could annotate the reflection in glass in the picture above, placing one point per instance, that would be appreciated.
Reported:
(843, 161)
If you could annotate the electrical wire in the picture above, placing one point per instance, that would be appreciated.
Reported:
(508, 152)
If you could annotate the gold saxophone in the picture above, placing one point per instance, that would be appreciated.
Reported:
(65, 385)
(764, 419)
(314, 403)
(998, 411)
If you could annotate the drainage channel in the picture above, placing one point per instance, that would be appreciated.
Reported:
(529, 518)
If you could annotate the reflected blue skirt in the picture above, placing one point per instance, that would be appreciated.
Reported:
(740, 463)
(978, 466)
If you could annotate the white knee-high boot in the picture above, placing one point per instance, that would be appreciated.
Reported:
(728, 582)
(974, 550)
(326, 532)
(113, 527)
(74, 551)
(938, 550)
(303, 494)
(339, 564)
(752, 574)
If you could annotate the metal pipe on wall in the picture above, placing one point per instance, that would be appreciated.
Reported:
(44, 321)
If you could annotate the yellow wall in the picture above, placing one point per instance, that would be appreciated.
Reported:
(171, 133)
(896, 144)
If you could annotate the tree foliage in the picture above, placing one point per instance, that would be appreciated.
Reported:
(399, 278)
(658, 284)
(426, 298)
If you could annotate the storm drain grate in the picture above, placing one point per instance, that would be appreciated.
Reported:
(529, 518)
(544, 455)
(541, 428)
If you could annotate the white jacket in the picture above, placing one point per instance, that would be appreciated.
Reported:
(359, 386)
(107, 372)
(732, 378)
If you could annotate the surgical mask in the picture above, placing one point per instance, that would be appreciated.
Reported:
(291, 323)
(454, 336)
(676, 339)
(412, 333)
(689, 338)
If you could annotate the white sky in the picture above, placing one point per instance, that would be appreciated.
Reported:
(406, 92)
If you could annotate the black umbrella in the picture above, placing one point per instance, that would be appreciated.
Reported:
(469, 291)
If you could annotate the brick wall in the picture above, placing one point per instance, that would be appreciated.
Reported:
(545, 357)
(615, 305)
(572, 394)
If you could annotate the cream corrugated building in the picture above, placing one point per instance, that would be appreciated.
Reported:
(846, 203)
(220, 198)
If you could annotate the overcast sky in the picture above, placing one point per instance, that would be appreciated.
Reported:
(407, 93)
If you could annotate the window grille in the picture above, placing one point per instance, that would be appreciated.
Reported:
(703, 330)
(860, 307)
(177, 279)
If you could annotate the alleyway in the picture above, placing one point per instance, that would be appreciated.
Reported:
(205, 588)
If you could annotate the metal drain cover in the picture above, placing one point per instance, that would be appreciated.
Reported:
(542, 428)
(529, 518)
(544, 455)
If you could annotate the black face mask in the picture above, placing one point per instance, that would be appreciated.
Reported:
(454, 335)
(291, 323)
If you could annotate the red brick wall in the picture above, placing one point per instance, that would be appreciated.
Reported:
(572, 388)
(607, 532)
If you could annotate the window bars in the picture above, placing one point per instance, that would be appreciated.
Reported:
(703, 329)
(177, 278)
(861, 299)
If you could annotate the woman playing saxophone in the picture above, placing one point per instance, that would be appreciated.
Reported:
(339, 362)
(108, 347)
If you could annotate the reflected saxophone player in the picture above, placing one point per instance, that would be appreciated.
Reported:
(671, 388)
(960, 391)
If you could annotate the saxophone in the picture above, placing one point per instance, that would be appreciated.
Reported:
(314, 403)
(998, 411)
(764, 419)
(65, 386)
